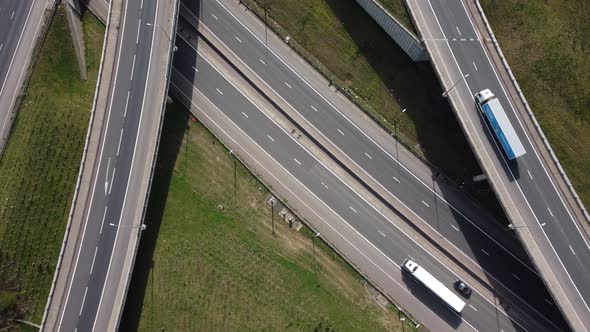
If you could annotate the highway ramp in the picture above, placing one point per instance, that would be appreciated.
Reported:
(107, 214)
(548, 225)
(22, 23)
(449, 217)
(346, 215)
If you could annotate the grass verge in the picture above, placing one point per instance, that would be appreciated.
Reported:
(208, 260)
(547, 44)
(344, 43)
(40, 165)
(397, 8)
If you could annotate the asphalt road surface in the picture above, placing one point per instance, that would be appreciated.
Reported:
(553, 226)
(352, 208)
(86, 293)
(20, 24)
(461, 228)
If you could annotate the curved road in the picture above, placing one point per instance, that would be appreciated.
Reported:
(471, 231)
(20, 24)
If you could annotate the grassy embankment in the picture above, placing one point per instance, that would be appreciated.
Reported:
(547, 44)
(344, 42)
(208, 260)
(40, 167)
(397, 8)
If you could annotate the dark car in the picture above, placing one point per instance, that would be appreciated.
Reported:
(462, 288)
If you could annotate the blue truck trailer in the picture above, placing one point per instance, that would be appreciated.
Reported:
(501, 126)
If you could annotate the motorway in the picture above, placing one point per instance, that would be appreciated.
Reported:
(350, 208)
(547, 219)
(21, 22)
(463, 229)
(96, 286)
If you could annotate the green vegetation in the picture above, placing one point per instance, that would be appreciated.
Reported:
(397, 8)
(208, 260)
(7, 302)
(547, 44)
(348, 47)
(40, 165)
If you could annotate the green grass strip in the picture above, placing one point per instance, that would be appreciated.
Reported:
(40, 165)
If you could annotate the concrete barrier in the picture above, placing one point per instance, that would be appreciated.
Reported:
(78, 182)
(400, 34)
(135, 245)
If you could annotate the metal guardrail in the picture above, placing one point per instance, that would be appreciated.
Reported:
(530, 113)
(77, 190)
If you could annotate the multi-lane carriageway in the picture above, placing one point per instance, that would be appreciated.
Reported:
(458, 227)
(547, 224)
(422, 208)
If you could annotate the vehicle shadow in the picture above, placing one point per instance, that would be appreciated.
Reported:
(425, 296)
(173, 132)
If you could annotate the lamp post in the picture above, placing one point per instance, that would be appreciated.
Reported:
(446, 93)
(434, 198)
(313, 246)
(141, 227)
(272, 216)
(266, 33)
(396, 143)
(512, 226)
(163, 31)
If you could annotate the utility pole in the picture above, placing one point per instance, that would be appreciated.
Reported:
(266, 32)
(435, 204)
(396, 144)
(272, 216)
(313, 247)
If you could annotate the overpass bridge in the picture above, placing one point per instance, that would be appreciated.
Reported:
(537, 197)
(106, 218)
(129, 231)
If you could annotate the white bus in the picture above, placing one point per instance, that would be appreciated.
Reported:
(433, 285)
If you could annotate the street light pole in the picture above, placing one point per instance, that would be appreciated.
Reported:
(141, 227)
(446, 93)
(512, 226)
(272, 216)
(313, 246)
(163, 31)
(435, 204)
(396, 144)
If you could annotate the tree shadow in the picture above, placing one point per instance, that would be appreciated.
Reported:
(173, 132)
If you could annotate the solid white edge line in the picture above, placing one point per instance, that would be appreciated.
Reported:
(538, 159)
(232, 84)
(329, 208)
(532, 146)
(130, 170)
(379, 146)
(14, 56)
(362, 198)
(95, 179)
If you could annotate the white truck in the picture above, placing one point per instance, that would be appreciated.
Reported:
(436, 287)
(494, 112)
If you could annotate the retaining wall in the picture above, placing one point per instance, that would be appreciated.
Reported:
(400, 34)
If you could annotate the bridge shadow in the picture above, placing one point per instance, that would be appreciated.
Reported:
(173, 133)
(415, 86)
